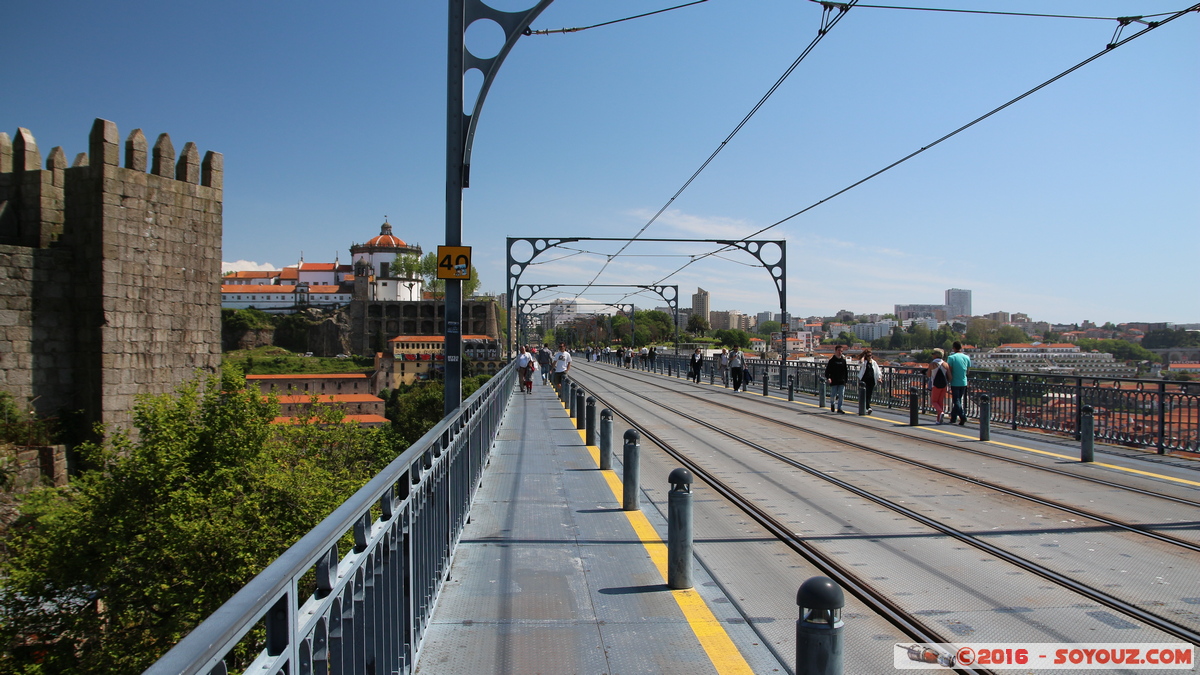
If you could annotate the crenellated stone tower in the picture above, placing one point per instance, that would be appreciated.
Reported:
(107, 272)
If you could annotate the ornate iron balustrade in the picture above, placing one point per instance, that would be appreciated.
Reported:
(1159, 414)
(371, 607)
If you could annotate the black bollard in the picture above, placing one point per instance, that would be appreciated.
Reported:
(712, 375)
(606, 424)
(791, 388)
(765, 377)
(580, 420)
(589, 437)
(821, 393)
(819, 642)
(679, 529)
(1087, 435)
(914, 406)
(985, 417)
(862, 400)
(632, 477)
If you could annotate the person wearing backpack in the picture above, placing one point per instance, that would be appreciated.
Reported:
(939, 378)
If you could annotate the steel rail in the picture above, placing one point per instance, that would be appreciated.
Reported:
(1096, 595)
(1012, 492)
(899, 432)
(890, 611)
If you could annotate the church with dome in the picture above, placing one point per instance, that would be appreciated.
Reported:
(382, 292)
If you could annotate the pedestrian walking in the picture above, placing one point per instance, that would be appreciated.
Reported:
(836, 372)
(869, 375)
(722, 363)
(736, 364)
(747, 377)
(544, 360)
(562, 365)
(959, 364)
(525, 363)
(938, 375)
(697, 363)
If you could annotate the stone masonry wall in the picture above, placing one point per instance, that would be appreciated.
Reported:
(132, 253)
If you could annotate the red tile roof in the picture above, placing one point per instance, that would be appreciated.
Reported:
(256, 288)
(310, 376)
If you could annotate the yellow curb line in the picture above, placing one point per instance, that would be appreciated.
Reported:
(721, 650)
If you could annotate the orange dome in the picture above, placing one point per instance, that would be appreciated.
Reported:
(386, 239)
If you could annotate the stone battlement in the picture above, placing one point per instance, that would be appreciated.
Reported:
(106, 271)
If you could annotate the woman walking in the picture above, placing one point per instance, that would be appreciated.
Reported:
(939, 378)
(868, 376)
(697, 363)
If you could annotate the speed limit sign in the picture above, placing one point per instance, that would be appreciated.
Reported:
(454, 262)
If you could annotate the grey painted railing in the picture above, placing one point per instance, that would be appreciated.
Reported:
(1159, 414)
(371, 606)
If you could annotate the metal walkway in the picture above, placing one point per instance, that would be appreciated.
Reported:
(552, 576)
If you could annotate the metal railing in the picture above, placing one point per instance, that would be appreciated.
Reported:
(1159, 414)
(371, 606)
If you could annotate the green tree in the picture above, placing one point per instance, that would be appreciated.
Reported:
(1120, 349)
(1166, 338)
(428, 271)
(768, 327)
(732, 338)
(1010, 334)
(697, 325)
(106, 574)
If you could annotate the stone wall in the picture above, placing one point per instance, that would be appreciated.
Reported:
(107, 271)
(368, 318)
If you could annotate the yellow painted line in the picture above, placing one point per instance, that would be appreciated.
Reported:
(1056, 455)
(723, 654)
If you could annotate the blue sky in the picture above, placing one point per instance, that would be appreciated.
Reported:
(1079, 202)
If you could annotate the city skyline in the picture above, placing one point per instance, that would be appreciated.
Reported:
(1054, 206)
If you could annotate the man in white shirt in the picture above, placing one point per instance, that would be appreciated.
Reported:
(562, 364)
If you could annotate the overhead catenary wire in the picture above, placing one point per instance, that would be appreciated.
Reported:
(828, 21)
(1003, 13)
(1108, 48)
(529, 31)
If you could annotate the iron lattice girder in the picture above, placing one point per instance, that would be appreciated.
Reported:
(756, 247)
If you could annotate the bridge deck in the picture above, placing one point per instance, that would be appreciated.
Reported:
(551, 576)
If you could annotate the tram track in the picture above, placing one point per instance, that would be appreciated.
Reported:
(891, 610)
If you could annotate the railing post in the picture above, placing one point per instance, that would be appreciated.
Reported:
(914, 405)
(1162, 418)
(606, 427)
(590, 436)
(1078, 407)
(1087, 434)
(633, 471)
(820, 645)
(1015, 401)
(580, 421)
(985, 417)
(679, 529)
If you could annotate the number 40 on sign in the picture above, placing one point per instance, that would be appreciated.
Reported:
(454, 262)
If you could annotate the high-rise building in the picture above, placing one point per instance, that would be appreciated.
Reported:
(958, 302)
(700, 304)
